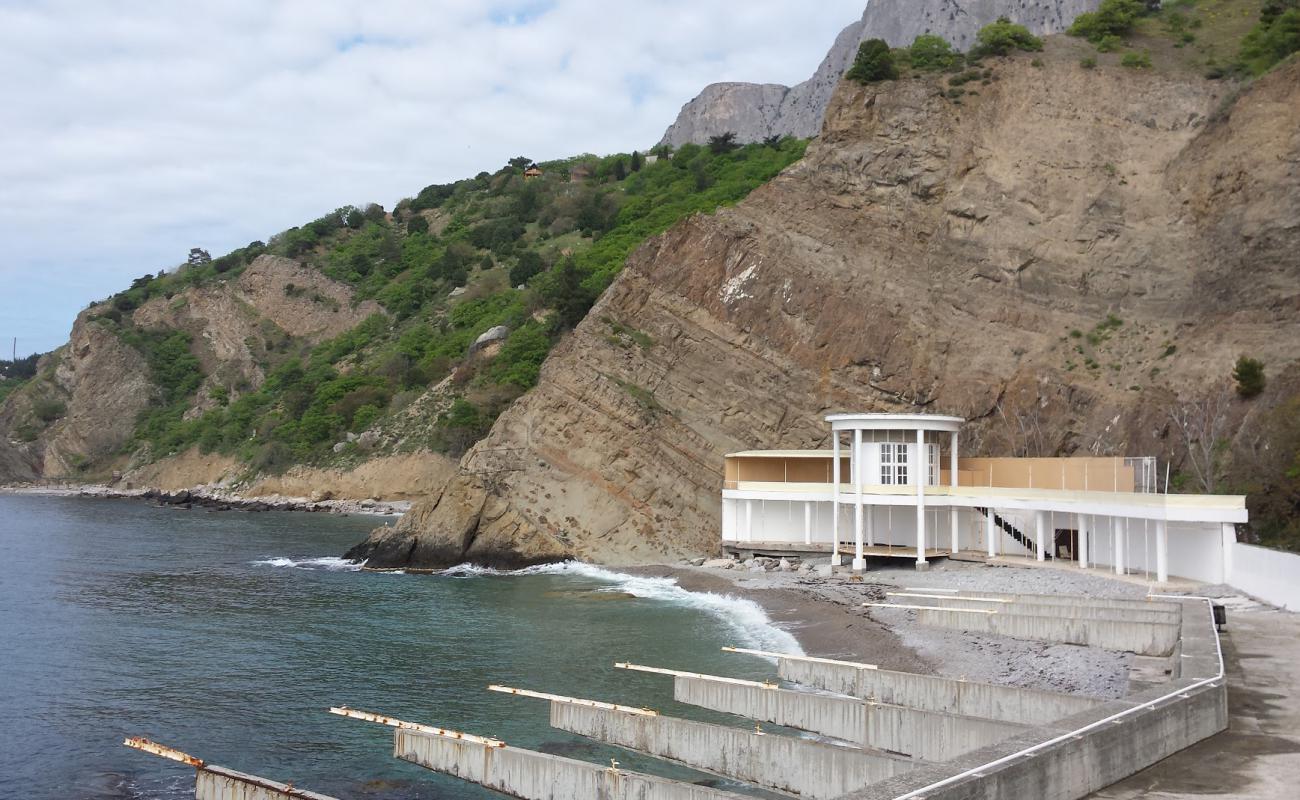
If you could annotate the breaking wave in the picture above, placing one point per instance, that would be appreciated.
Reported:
(746, 618)
(328, 563)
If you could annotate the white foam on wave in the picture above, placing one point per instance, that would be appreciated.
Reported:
(327, 563)
(747, 619)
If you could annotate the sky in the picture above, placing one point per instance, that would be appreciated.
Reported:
(133, 131)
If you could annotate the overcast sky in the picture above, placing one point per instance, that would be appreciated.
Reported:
(132, 131)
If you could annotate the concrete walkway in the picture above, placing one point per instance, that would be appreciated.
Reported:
(1258, 757)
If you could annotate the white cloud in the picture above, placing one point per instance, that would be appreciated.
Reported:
(135, 130)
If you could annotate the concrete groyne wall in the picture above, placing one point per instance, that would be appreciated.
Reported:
(936, 693)
(926, 735)
(784, 763)
(1113, 633)
(219, 783)
(540, 776)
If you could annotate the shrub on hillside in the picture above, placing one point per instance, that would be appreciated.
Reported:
(48, 409)
(1112, 18)
(873, 63)
(1136, 60)
(1276, 36)
(929, 52)
(1249, 375)
(1003, 37)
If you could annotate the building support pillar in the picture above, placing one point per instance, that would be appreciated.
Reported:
(1040, 534)
(1162, 551)
(990, 531)
(922, 475)
(835, 498)
(807, 522)
(859, 563)
(749, 520)
(1229, 545)
(1121, 545)
(953, 524)
(1084, 526)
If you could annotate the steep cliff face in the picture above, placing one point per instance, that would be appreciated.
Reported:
(756, 111)
(101, 385)
(1058, 258)
(84, 407)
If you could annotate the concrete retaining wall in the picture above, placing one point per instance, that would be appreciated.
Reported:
(1271, 575)
(1079, 765)
(1085, 761)
(1074, 601)
(935, 693)
(785, 763)
(218, 783)
(1157, 615)
(1143, 638)
(928, 735)
(538, 776)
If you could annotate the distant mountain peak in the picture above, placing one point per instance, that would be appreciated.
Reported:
(756, 111)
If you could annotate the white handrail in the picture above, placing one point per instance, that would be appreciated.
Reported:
(1099, 723)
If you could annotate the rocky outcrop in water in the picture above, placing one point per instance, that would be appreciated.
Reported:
(756, 111)
(1058, 258)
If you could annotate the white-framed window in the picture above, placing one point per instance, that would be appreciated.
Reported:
(893, 464)
(932, 463)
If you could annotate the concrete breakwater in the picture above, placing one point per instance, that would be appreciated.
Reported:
(889, 735)
(876, 734)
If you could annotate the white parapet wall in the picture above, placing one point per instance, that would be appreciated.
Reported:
(1270, 575)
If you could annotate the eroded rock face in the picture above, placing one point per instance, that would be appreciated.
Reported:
(103, 385)
(756, 111)
(924, 256)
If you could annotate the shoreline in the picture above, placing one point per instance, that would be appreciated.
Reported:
(825, 615)
(214, 499)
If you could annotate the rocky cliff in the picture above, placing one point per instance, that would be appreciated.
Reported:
(1059, 256)
(756, 111)
(83, 410)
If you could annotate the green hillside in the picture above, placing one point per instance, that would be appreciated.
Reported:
(528, 252)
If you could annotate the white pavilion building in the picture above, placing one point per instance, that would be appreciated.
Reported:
(895, 485)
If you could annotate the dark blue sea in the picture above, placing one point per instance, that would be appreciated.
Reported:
(228, 635)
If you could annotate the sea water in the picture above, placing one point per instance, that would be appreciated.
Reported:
(228, 635)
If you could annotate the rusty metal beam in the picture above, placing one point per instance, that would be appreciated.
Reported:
(163, 751)
(677, 673)
(393, 722)
(793, 657)
(206, 772)
(576, 701)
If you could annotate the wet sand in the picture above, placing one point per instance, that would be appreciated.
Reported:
(826, 618)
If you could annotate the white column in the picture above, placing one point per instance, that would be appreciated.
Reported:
(1229, 544)
(859, 563)
(749, 520)
(1121, 544)
(922, 475)
(835, 498)
(870, 512)
(990, 531)
(1162, 551)
(1085, 526)
(807, 522)
(952, 521)
(1040, 533)
(952, 463)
